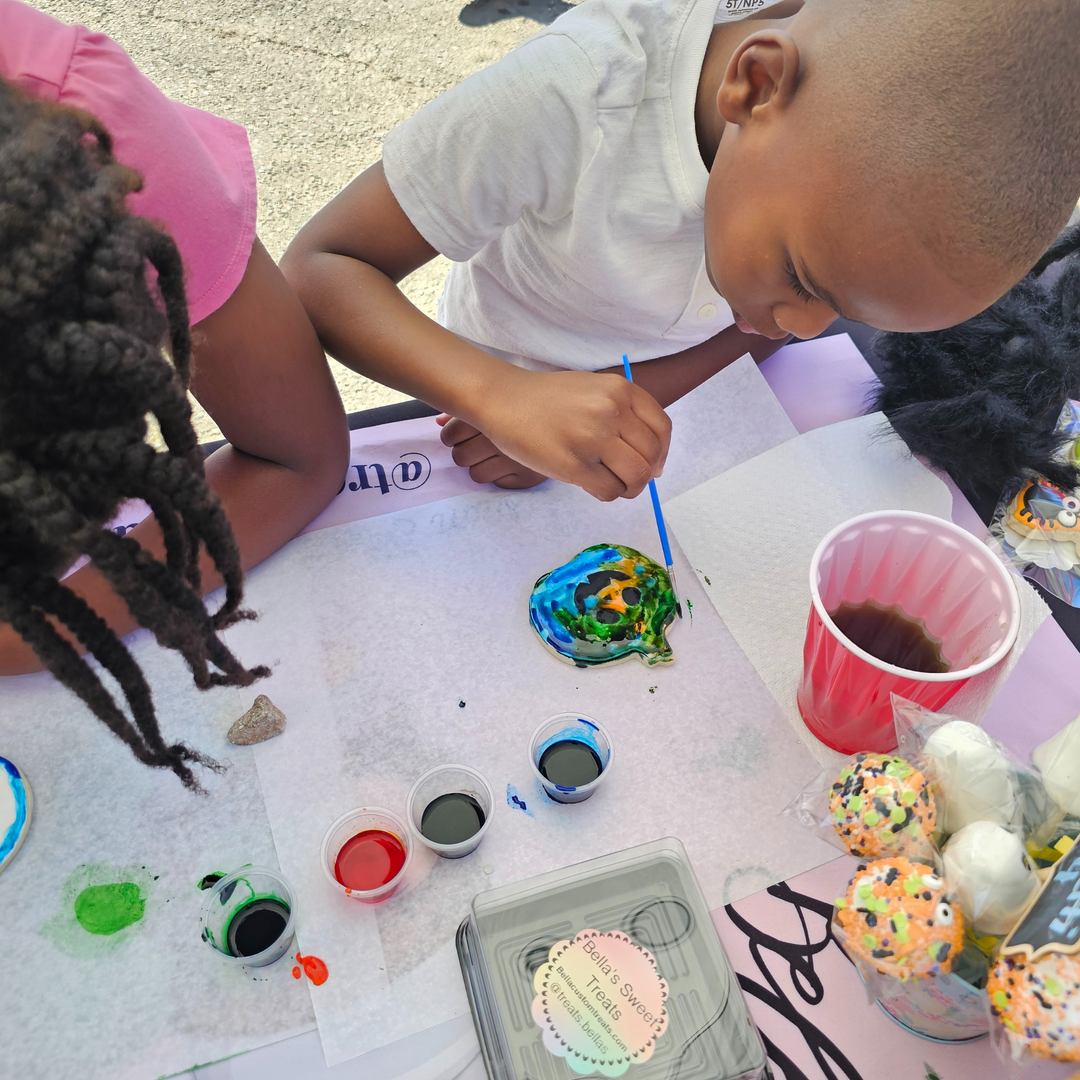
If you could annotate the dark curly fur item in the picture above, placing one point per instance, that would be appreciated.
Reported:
(980, 400)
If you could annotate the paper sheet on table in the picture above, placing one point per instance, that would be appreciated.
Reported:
(403, 641)
(750, 535)
(151, 999)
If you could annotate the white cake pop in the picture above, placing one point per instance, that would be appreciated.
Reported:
(990, 875)
(974, 779)
(1058, 759)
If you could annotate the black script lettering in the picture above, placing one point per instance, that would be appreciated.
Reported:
(412, 471)
(362, 483)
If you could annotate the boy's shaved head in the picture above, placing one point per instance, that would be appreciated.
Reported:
(981, 94)
(900, 162)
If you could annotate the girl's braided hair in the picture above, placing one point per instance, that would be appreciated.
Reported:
(981, 400)
(81, 366)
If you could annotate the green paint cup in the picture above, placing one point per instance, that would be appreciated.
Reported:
(248, 917)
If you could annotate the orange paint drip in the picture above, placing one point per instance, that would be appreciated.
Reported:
(314, 969)
(296, 973)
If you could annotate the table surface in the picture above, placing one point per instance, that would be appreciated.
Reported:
(818, 383)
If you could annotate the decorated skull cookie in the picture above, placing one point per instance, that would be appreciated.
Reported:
(608, 603)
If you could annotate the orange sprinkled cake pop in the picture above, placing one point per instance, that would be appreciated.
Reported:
(896, 917)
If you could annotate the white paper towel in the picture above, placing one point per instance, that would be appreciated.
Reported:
(152, 999)
(751, 532)
(380, 629)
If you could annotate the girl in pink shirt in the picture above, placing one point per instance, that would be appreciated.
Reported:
(97, 170)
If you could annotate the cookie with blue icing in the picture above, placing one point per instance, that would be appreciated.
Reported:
(608, 603)
(16, 806)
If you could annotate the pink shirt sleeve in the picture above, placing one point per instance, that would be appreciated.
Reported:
(199, 177)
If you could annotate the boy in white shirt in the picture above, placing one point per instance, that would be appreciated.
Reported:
(651, 177)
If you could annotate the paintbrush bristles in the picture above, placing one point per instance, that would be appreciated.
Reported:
(675, 590)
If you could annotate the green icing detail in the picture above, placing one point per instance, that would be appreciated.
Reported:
(845, 772)
(888, 837)
(838, 814)
(840, 902)
(898, 768)
(1000, 999)
(883, 789)
(934, 948)
(871, 817)
(855, 803)
(913, 883)
(1053, 987)
(908, 797)
(899, 921)
(865, 891)
(897, 815)
(107, 909)
(868, 941)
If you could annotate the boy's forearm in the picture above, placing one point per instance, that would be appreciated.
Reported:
(366, 322)
(668, 378)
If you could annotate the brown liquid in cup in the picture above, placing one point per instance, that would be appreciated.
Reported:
(890, 635)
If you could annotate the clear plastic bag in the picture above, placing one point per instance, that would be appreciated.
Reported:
(974, 777)
(1037, 524)
(874, 806)
(1035, 1010)
(1058, 761)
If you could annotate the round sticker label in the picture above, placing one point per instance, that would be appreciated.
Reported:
(600, 1003)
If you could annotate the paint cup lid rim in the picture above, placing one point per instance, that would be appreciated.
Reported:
(592, 784)
(237, 875)
(476, 837)
(386, 886)
(907, 673)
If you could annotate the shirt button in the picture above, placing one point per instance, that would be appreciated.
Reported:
(706, 311)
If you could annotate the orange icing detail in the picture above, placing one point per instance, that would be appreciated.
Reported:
(296, 973)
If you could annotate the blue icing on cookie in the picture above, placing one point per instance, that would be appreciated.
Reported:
(608, 603)
(16, 804)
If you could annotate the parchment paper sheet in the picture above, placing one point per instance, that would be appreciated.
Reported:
(152, 1000)
(751, 532)
(379, 631)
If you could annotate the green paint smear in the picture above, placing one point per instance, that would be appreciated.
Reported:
(107, 909)
(100, 907)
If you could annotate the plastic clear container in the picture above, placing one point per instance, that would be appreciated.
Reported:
(236, 892)
(650, 895)
(933, 571)
(571, 727)
(351, 824)
(442, 780)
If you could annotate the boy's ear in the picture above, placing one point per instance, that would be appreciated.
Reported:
(763, 71)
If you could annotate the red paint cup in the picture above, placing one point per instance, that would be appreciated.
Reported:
(933, 571)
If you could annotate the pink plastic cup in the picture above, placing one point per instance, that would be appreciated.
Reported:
(932, 570)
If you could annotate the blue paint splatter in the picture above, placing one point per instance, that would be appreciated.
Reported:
(516, 801)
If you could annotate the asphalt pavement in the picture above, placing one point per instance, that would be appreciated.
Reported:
(317, 84)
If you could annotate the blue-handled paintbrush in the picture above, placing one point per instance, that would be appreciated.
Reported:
(660, 526)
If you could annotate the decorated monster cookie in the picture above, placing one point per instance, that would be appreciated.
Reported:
(881, 805)
(16, 807)
(606, 604)
(896, 918)
(1039, 1003)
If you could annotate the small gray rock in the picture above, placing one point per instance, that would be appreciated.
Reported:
(262, 721)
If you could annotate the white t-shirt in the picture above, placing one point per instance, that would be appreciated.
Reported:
(566, 184)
